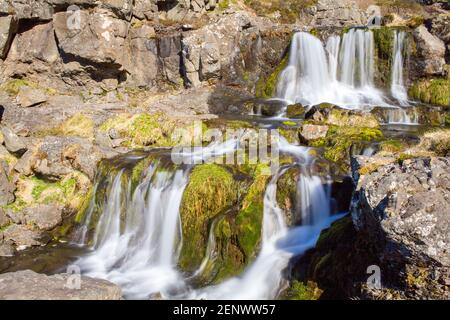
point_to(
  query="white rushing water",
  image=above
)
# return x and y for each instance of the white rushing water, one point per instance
(264, 277)
(138, 237)
(407, 116)
(398, 90)
(341, 74)
(139, 251)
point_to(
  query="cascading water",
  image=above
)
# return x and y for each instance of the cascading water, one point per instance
(263, 278)
(407, 116)
(398, 89)
(138, 237)
(341, 75)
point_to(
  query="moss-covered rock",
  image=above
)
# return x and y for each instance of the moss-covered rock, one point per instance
(301, 291)
(287, 194)
(78, 125)
(237, 233)
(295, 111)
(69, 191)
(384, 42)
(250, 216)
(211, 191)
(340, 117)
(434, 91)
(266, 88)
(339, 140)
(338, 262)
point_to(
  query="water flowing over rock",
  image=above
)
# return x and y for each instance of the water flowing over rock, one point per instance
(398, 89)
(316, 75)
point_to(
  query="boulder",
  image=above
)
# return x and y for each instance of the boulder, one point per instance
(404, 210)
(100, 38)
(295, 111)
(13, 143)
(313, 132)
(45, 217)
(59, 156)
(29, 9)
(144, 51)
(430, 58)
(8, 27)
(29, 285)
(30, 97)
(36, 45)
(440, 27)
(169, 51)
(145, 9)
(208, 50)
(268, 108)
(6, 250)
(24, 237)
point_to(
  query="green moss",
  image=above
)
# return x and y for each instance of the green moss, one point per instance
(266, 88)
(384, 41)
(434, 91)
(249, 218)
(299, 291)
(210, 191)
(339, 140)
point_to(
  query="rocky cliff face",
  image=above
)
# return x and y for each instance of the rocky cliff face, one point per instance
(399, 223)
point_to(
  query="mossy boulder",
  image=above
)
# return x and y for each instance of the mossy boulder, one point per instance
(339, 140)
(295, 111)
(435, 91)
(237, 233)
(211, 191)
(341, 117)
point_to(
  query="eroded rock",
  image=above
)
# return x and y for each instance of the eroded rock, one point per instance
(30, 97)
(431, 52)
(28, 285)
(13, 143)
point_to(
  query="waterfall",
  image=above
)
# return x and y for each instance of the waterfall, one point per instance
(408, 116)
(264, 277)
(341, 73)
(137, 237)
(398, 90)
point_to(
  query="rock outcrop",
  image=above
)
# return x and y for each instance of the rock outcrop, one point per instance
(430, 51)
(29, 285)
(399, 223)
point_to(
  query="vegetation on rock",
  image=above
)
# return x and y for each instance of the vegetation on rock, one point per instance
(434, 91)
(211, 191)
